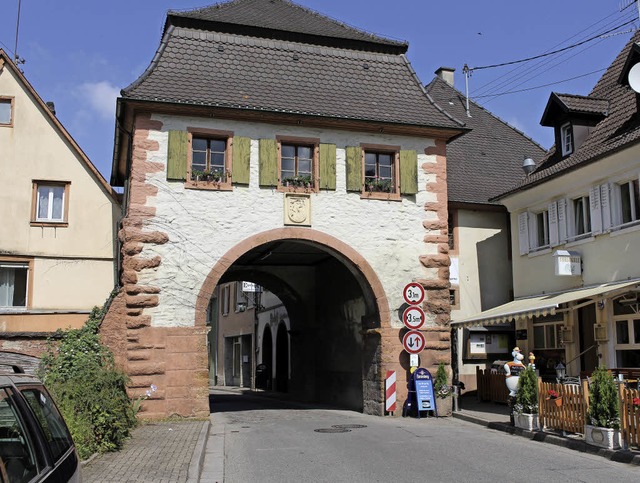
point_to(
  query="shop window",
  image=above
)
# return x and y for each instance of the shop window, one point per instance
(627, 339)
(13, 285)
(547, 332)
(50, 203)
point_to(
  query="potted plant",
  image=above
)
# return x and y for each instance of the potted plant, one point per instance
(378, 185)
(553, 395)
(602, 426)
(442, 390)
(298, 181)
(525, 408)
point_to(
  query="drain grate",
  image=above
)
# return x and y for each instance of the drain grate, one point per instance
(349, 426)
(332, 430)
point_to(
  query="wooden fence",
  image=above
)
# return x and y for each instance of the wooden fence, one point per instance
(569, 414)
(629, 416)
(491, 386)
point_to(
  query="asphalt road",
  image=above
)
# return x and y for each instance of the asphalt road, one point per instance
(271, 441)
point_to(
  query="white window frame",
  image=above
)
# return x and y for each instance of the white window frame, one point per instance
(631, 345)
(534, 241)
(566, 139)
(18, 265)
(617, 204)
(583, 231)
(556, 328)
(51, 188)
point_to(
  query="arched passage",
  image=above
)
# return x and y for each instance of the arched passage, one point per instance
(335, 306)
(267, 355)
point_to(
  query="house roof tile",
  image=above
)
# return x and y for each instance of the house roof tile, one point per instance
(618, 130)
(487, 160)
(205, 67)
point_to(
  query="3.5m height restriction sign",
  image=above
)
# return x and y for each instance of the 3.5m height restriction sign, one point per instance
(414, 342)
(413, 317)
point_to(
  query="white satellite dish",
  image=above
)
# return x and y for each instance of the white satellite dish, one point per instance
(634, 77)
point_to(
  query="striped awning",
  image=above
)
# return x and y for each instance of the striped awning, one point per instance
(545, 304)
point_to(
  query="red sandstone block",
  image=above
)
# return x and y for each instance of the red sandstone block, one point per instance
(146, 369)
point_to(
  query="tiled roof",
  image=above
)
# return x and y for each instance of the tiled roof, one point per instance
(584, 104)
(281, 15)
(619, 130)
(208, 68)
(487, 160)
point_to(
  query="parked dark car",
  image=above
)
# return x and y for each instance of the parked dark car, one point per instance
(35, 443)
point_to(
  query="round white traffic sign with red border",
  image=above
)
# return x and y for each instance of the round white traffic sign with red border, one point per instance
(414, 342)
(413, 293)
(413, 317)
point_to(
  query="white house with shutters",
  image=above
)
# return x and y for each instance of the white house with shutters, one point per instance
(576, 273)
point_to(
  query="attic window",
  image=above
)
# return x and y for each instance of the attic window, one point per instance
(6, 111)
(566, 139)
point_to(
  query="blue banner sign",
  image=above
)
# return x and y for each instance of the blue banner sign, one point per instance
(425, 397)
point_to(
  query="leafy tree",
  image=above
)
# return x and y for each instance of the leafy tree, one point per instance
(604, 402)
(88, 388)
(441, 384)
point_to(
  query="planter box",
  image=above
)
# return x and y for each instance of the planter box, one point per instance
(444, 406)
(602, 437)
(526, 421)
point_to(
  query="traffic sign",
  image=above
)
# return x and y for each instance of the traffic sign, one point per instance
(413, 317)
(413, 293)
(414, 342)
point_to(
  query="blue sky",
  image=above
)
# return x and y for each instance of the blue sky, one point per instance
(80, 53)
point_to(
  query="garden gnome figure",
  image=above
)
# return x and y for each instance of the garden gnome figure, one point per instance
(512, 371)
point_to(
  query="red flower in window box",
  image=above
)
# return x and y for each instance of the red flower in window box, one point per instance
(636, 402)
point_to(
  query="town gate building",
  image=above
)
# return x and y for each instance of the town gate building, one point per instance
(267, 143)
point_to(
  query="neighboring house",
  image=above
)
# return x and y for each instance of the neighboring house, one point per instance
(270, 144)
(59, 215)
(480, 165)
(577, 231)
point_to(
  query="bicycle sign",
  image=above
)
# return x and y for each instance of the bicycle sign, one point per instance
(413, 293)
(413, 317)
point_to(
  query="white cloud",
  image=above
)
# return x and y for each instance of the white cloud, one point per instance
(100, 97)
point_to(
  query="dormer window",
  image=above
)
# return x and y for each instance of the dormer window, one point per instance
(566, 139)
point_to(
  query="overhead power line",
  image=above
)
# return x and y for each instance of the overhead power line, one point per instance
(541, 86)
(553, 52)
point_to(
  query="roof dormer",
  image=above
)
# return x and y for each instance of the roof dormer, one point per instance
(573, 118)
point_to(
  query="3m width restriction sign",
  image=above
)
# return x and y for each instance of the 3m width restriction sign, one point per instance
(413, 293)
(414, 342)
(413, 317)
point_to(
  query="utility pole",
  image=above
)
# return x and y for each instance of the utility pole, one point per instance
(467, 74)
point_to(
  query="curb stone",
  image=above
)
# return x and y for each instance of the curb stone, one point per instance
(195, 466)
(620, 456)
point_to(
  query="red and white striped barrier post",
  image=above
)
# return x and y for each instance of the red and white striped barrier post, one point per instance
(390, 391)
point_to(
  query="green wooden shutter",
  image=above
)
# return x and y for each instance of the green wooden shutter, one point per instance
(327, 166)
(241, 160)
(408, 172)
(268, 162)
(178, 152)
(354, 168)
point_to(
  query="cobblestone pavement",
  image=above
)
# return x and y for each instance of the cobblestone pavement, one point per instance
(158, 452)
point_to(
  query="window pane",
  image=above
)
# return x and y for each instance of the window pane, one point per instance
(636, 331)
(287, 164)
(370, 172)
(288, 151)
(13, 286)
(579, 216)
(199, 144)
(625, 196)
(53, 425)
(385, 172)
(551, 336)
(370, 158)
(384, 160)
(628, 358)
(43, 202)
(218, 145)
(16, 449)
(217, 160)
(538, 337)
(58, 203)
(622, 332)
(304, 166)
(304, 152)
(5, 111)
(635, 188)
(199, 161)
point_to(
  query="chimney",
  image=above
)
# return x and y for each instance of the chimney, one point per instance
(446, 74)
(51, 106)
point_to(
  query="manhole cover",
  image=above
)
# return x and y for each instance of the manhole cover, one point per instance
(349, 426)
(332, 430)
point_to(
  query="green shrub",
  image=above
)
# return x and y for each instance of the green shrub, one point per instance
(604, 409)
(88, 388)
(527, 395)
(441, 384)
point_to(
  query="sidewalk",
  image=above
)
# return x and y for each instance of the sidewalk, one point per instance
(496, 416)
(157, 452)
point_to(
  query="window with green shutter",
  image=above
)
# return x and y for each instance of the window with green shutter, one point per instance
(353, 160)
(241, 159)
(408, 172)
(177, 156)
(327, 168)
(268, 162)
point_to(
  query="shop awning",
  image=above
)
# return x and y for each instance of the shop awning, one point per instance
(546, 304)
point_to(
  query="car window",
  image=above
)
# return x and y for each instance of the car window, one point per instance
(16, 448)
(53, 426)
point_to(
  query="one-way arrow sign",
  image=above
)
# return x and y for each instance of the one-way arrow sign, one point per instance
(414, 342)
